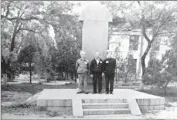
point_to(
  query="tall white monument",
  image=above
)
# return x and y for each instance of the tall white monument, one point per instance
(95, 19)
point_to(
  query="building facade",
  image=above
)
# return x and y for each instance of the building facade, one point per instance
(125, 43)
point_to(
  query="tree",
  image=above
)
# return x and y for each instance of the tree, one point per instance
(26, 57)
(157, 19)
(15, 19)
(169, 62)
(19, 18)
(161, 72)
(154, 18)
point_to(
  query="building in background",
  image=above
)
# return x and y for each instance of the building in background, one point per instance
(123, 44)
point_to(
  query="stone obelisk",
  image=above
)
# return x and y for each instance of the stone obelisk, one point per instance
(95, 19)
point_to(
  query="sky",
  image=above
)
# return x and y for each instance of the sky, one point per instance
(78, 9)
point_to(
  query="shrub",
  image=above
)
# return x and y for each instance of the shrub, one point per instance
(157, 74)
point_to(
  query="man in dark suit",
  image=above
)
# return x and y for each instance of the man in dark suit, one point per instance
(96, 72)
(109, 71)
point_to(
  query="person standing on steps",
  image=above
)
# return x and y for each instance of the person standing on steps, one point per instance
(96, 73)
(109, 71)
(82, 66)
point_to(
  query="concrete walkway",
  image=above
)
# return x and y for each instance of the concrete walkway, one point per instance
(34, 117)
(71, 94)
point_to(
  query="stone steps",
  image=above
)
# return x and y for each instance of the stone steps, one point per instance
(105, 111)
(104, 105)
(114, 117)
(104, 101)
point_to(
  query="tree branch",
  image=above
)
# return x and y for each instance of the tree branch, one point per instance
(139, 3)
(19, 18)
(161, 12)
(144, 34)
(7, 13)
(19, 27)
(27, 29)
(156, 33)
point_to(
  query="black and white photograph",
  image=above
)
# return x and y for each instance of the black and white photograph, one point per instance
(88, 60)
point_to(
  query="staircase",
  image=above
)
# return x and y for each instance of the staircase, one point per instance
(105, 107)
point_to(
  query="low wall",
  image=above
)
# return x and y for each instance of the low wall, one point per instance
(63, 106)
(150, 104)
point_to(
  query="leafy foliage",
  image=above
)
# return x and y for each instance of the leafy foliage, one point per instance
(126, 67)
(160, 17)
(161, 73)
(26, 25)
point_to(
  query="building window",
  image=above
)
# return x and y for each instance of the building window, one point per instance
(134, 40)
(132, 64)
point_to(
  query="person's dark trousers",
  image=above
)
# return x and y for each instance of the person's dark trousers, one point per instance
(97, 81)
(109, 78)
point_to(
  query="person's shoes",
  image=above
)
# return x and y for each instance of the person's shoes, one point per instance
(79, 92)
(107, 92)
(86, 92)
(94, 92)
(111, 92)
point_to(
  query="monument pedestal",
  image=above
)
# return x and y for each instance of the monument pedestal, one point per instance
(123, 101)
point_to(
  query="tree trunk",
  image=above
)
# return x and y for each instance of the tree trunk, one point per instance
(15, 32)
(4, 77)
(165, 87)
(67, 75)
(75, 76)
(144, 58)
(165, 90)
(12, 43)
(30, 72)
(72, 75)
(116, 76)
(5, 66)
(143, 64)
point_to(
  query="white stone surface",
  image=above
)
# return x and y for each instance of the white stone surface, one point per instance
(95, 19)
(69, 97)
(134, 107)
(95, 38)
(77, 107)
(33, 99)
(71, 94)
(104, 105)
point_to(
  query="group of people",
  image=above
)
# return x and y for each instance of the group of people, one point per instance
(97, 69)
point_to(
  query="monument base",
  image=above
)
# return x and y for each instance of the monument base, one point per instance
(122, 101)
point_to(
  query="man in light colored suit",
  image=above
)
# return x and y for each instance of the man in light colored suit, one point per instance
(82, 66)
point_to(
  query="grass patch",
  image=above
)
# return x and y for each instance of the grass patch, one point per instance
(34, 88)
(31, 110)
(20, 106)
(170, 96)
